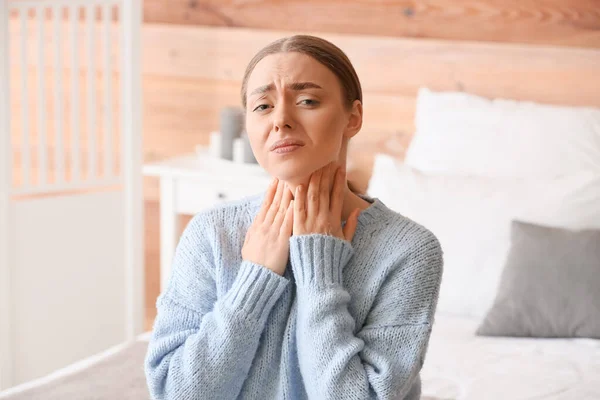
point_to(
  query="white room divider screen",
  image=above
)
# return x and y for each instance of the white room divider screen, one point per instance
(71, 228)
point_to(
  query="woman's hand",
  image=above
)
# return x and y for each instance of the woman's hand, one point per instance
(318, 209)
(267, 239)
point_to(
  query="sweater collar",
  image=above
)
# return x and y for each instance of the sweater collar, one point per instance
(372, 212)
(367, 216)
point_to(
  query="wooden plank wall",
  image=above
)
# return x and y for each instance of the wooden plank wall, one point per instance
(554, 22)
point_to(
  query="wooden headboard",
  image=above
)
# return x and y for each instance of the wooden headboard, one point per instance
(191, 72)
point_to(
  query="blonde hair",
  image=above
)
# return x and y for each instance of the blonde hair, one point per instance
(322, 51)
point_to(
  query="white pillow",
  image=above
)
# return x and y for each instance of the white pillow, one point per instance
(471, 217)
(464, 134)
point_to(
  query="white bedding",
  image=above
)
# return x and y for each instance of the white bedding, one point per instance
(460, 365)
(71, 368)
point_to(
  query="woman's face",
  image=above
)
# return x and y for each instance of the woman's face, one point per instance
(293, 96)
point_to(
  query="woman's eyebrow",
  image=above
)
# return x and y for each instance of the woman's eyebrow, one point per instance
(292, 86)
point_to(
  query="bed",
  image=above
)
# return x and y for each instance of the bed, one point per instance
(116, 373)
(512, 191)
(461, 365)
(458, 366)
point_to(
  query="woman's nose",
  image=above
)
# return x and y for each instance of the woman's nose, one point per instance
(282, 118)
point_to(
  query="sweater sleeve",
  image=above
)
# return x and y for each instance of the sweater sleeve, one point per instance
(382, 359)
(202, 347)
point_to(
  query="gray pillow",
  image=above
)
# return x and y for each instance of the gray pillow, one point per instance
(550, 285)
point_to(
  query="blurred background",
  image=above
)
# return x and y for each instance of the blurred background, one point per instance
(120, 120)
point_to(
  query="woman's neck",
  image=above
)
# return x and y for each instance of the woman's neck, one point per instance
(351, 201)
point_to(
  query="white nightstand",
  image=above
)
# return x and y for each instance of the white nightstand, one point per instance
(191, 183)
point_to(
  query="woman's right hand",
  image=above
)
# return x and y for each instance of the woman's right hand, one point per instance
(267, 240)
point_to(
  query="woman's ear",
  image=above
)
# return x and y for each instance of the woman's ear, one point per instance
(355, 120)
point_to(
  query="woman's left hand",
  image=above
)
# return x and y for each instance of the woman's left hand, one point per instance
(319, 210)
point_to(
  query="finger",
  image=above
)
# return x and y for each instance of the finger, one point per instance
(269, 195)
(350, 227)
(312, 195)
(333, 173)
(285, 202)
(274, 206)
(288, 223)
(300, 200)
(248, 234)
(324, 188)
(337, 195)
(299, 207)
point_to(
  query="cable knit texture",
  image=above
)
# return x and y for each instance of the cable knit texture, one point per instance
(347, 320)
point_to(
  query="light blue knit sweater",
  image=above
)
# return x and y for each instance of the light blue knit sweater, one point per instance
(346, 320)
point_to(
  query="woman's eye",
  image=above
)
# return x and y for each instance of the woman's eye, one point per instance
(310, 102)
(261, 109)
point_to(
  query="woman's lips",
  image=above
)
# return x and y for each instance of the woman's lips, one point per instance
(286, 142)
(286, 149)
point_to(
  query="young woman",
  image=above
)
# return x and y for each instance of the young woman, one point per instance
(309, 290)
